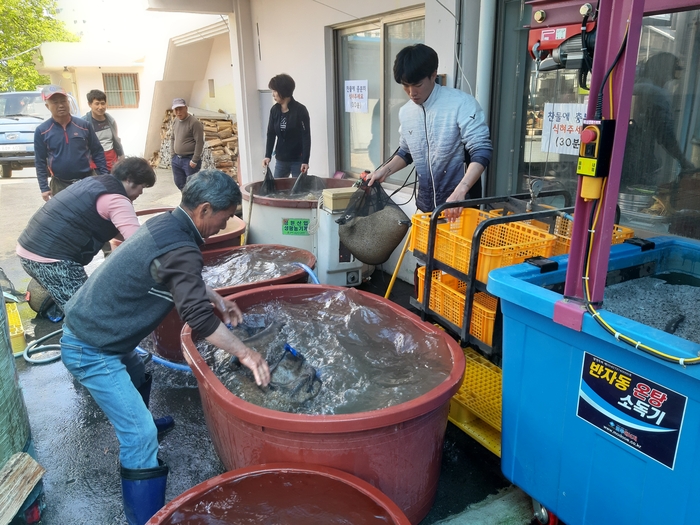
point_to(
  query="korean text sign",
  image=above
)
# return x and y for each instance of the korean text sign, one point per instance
(642, 414)
(356, 96)
(561, 127)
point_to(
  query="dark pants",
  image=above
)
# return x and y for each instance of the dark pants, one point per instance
(182, 169)
(284, 169)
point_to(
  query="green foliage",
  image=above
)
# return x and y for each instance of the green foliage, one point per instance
(25, 24)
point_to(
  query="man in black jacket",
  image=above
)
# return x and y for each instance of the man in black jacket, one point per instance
(289, 125)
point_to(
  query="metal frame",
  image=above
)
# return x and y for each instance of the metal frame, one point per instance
(472, 285)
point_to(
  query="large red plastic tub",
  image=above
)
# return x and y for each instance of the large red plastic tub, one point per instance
(396, 449)
(228, 237)
(166, 337)
(282, 493)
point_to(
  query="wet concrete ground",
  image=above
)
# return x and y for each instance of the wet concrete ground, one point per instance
(78, 448)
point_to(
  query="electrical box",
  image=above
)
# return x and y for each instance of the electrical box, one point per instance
(596, 148)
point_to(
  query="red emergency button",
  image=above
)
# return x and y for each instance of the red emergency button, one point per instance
(589, 135)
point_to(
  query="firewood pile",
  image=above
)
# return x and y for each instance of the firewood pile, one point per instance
(220, 144)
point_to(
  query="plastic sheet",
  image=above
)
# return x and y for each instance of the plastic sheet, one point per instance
(253, 264)
(366, 359)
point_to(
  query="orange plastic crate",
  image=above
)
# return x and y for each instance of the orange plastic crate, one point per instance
(447, 297)
(501, 244)
(563, 228)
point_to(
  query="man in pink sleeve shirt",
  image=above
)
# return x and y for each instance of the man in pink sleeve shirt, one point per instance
(67, 232)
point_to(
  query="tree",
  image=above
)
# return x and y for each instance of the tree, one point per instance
(24, 26)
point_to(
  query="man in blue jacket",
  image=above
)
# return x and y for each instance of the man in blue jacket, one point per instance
(441, 130)
(63, 145)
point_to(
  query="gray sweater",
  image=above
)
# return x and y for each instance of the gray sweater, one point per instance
(187, 138)
(128, 296)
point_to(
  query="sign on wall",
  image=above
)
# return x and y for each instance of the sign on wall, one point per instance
(356, 96)
(561, 127)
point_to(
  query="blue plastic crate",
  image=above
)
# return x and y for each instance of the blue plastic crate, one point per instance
(566, 439)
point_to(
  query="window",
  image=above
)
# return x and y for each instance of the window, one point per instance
(366, 53)
(660, 181)
(122, 89)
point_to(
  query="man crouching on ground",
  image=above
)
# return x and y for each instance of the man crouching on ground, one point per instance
(125, 299)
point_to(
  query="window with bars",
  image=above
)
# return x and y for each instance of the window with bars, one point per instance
(122, 89)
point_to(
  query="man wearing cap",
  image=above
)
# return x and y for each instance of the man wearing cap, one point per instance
(186, 144)
(63, 145)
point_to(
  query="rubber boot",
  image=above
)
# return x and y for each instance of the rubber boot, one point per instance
(143, 492)
(164, 424)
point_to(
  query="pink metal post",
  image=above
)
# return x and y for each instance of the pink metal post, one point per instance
(615, 17)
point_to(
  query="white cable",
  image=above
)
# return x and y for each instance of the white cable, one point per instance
(313, 225)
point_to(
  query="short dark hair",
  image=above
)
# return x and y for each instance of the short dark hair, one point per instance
(414, 63)
(96, 94)
(212, 186)
(283, 84)
(136, 170)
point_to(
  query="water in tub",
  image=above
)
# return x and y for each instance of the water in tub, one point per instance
(250, 265)
(355, 356)
(667, 301)
(288, 195)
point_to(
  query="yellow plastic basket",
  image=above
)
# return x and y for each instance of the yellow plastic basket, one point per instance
(447, 298)
(16, 330)
(501, 244)
(481, 390)
(563, 228)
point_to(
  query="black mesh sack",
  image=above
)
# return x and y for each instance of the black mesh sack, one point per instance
(268, 184)
(373, 225)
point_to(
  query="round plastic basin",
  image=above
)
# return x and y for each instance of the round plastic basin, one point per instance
(396, 449)
(270, 218)
(282, 493)
(166, 337)
(228, 237)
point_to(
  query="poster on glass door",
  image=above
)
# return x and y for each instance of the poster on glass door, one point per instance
(356, 96)
(561, 127)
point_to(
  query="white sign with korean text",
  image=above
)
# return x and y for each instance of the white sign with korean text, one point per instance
(356, 96)
(561, 127)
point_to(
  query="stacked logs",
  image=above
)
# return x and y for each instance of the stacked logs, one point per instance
(220, 144)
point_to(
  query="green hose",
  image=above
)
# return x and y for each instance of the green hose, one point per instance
(33, 348)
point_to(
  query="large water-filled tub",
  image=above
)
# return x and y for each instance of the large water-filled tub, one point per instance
(228, 237)
(270, 217)
(166, 337)
(282, 493)
(397, 449)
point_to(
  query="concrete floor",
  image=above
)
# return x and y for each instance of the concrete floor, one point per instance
(77, 445)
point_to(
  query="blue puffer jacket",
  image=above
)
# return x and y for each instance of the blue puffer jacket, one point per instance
(440, 135)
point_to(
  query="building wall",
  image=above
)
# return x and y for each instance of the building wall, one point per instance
(219, 70)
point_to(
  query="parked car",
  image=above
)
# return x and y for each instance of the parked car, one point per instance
(20, 113)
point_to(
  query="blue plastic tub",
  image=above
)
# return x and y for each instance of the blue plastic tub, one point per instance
(571, 437)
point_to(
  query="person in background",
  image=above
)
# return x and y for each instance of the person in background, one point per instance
(66, 233)
(186, 144)
(442, 130)
(651, 123)
(63, 146)
(105, 128)
(288, 130)
(125, 299)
